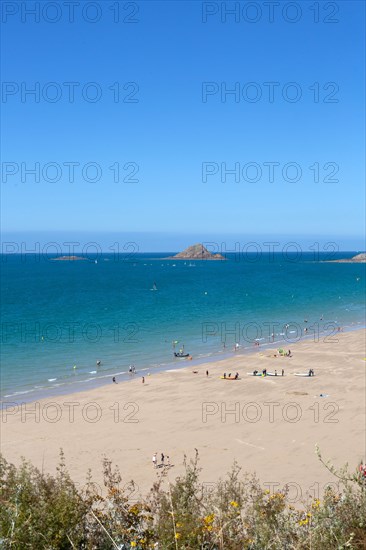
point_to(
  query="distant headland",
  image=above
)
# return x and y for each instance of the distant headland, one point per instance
(69, 259)
(358, 259)
(196, 252)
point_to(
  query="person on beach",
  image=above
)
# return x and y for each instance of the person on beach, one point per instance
(224, 374)
(283, 373)
(229, 375)
(275, 373)
(167, 461)
(236, 376)
(130, 369)
(255, 372)
(206, 372)
(114, 380)
(98, 363)
(162, 459)
(143, 380)
(154, 460)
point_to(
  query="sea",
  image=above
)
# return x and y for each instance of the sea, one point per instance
(59, 318)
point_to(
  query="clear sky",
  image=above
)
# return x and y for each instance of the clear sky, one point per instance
(175, 123)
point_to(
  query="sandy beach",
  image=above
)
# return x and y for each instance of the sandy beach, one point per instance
(270, 426)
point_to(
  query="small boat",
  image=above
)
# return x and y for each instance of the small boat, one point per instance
(181, 354)
(307, 375)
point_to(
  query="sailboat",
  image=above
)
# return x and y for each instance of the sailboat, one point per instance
(154, 287)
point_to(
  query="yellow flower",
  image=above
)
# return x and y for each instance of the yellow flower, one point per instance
(303, 521)
(234, 503)
(316, 504)
(177, 535)
(308, 515)
(178, 524)
(133, 544)
(267, 491)
(209, 518)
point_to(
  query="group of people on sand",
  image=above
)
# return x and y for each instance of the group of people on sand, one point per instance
(164, 460)
(131, 370)
(311, 372)
(229, 375)
(264, 372)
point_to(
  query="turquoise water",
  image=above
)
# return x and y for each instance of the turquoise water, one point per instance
(57, 315)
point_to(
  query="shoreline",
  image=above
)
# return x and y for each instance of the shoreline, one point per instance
(101, 381)
(176, 411)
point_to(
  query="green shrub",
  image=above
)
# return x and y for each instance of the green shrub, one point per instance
(42, 512)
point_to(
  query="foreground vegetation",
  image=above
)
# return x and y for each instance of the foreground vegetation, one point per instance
(42, 512)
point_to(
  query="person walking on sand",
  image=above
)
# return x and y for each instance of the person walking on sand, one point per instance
(143, 379)
(162, 459)
(206, 372)
(283, 373)
(154, 460)
(114, 380)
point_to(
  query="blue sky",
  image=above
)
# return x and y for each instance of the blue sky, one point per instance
(170, 132)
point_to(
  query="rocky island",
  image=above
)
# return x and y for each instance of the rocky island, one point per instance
(358, 259)
(69, 258)
(197, 252)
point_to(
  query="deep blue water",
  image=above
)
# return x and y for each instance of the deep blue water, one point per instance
(57, 315)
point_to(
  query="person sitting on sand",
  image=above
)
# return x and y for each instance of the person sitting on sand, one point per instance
(255, 372)
(236, 376)
(114, 380)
